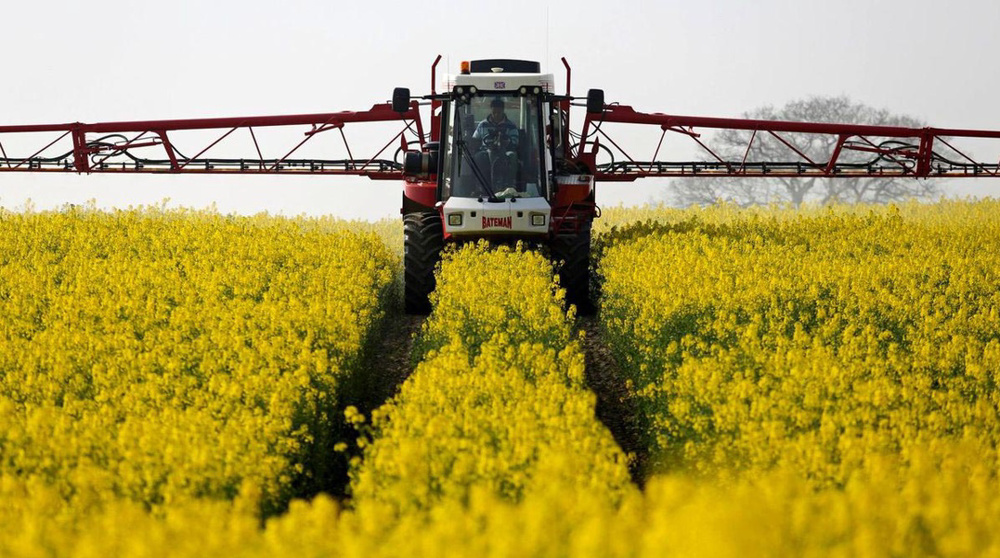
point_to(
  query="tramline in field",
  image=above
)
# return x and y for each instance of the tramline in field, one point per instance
(499, 159)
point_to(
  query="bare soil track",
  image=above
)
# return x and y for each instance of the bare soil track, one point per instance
(385, 364)
(391, 361)
(615, 408)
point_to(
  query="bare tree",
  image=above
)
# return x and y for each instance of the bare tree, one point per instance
(732, 144)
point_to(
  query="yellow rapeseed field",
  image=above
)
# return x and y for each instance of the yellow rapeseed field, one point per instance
(816, 342)
(160, 355)
(809, 383)
(855, 351)
(498, 402)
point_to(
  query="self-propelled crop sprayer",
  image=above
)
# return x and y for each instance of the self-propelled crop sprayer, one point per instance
(499, 159)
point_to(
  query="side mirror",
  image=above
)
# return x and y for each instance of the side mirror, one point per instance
(401, 99)
(595, 100)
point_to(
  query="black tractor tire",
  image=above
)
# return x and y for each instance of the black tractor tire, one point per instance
(423, 240)
(571, 255)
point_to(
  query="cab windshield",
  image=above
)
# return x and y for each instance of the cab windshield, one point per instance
(492, 148)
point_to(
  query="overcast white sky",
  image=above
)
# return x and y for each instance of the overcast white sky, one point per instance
(83, 61)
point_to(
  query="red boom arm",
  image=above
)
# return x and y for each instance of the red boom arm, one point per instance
(890, 150)
(151, 147)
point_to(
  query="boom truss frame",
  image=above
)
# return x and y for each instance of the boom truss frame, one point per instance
(895, 151)
(113, 147)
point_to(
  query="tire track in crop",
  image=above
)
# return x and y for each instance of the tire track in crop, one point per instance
(615, 408)
(391, 361)
(386, 364)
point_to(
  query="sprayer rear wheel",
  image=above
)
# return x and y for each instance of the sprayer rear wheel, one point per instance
(571, 252)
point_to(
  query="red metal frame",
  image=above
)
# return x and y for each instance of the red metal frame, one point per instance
(916, 159)
(435, 104)
(88, 155)
(565, 105)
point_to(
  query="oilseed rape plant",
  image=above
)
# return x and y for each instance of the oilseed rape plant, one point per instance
(816, 342)
(817, 382)
(498, 404)
(164, 355)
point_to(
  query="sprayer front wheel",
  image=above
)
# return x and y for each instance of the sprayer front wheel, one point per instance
(423, 239)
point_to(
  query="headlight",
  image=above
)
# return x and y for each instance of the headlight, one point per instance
(537, 220)
(455, 219)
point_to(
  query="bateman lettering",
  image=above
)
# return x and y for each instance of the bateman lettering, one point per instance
(497, 222)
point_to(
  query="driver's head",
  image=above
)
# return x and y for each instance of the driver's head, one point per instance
(496, 108)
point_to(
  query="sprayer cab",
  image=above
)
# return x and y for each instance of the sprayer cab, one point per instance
(497, 162)
(494, 158)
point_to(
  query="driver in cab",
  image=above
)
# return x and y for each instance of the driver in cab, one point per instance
(498, 153)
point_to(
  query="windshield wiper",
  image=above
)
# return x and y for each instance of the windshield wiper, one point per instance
(476, 171)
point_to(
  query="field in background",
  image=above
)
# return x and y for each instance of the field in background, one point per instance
(820, 382)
